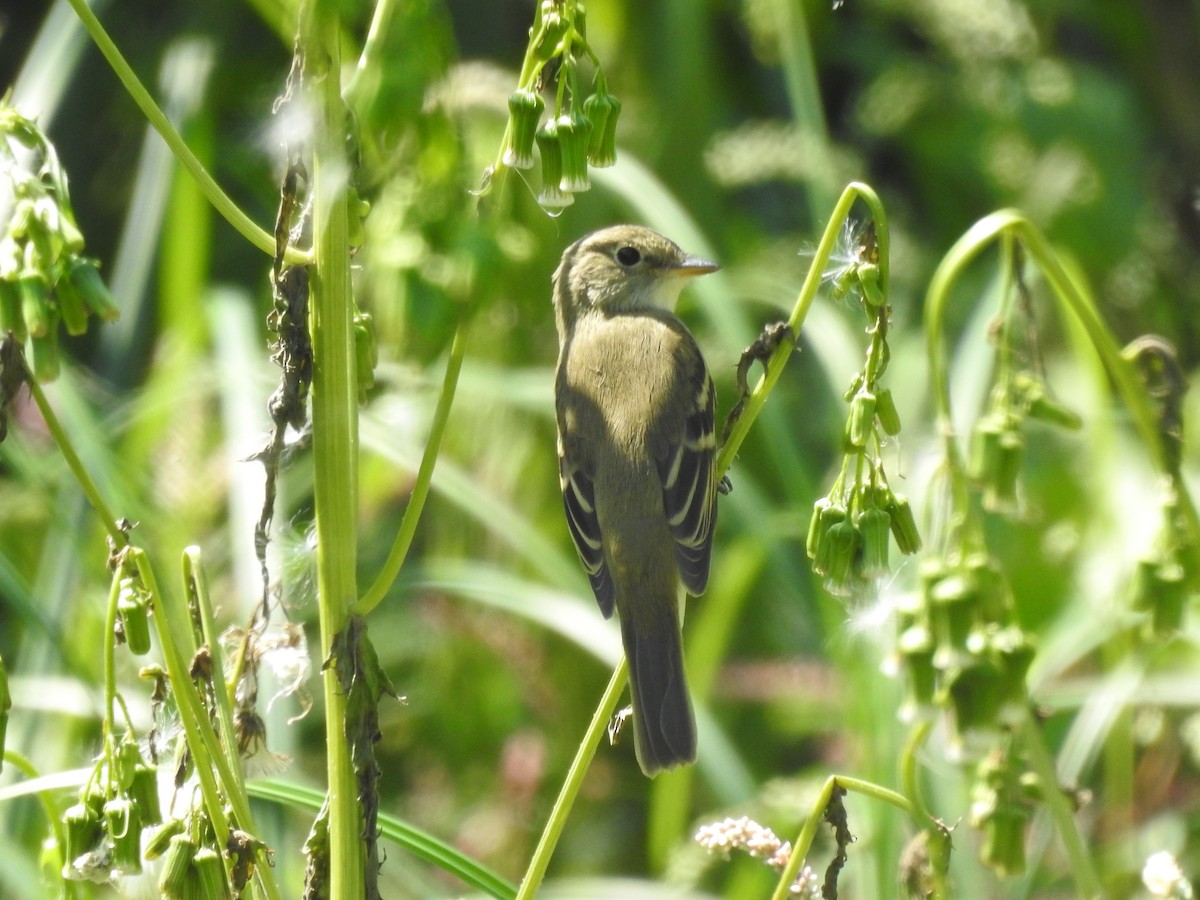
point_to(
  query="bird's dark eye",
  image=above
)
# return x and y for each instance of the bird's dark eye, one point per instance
(628, 256)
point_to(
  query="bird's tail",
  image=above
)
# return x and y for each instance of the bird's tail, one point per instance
(664, 727)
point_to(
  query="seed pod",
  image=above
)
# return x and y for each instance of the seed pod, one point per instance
(915, 648)
(904, 525)
(844, 541)
(143, 791)
(1003, 846)
(43, 351)
(813, 539)
(552, 198)
(72, 307)
(125, 834)
(134, 617)
(953, 613)
(10, 311)
(85, 277)
(574, 134)
(985, 449)
(1000, 490)
(177, 873)
(875, 527)
(84, 828)
(868, 280)
(885, 412)
(160, 841)
(35, 302)
(831, 515)
(210, 874)
(524, 112)
(862, 418)
(603, 110)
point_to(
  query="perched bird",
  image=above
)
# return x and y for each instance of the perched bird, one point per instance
(636, 450)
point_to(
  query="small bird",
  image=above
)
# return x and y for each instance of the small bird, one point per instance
(636, 456)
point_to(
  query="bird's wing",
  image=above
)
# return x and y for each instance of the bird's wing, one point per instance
(688, 473)
(579, 500)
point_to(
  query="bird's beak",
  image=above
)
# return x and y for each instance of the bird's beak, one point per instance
(695, 265)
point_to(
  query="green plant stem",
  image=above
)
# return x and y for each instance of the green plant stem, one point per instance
(335, 427)
(201, 740)
(570, 789)
(420, 491)
(938, 836)
(196, 584)
(1087, 882)
(808, 830)
(67, 449)
(808, 292)
(371, 59)
(110, 652)
(158, 119)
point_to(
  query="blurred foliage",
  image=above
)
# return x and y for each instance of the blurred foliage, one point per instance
(741, 124)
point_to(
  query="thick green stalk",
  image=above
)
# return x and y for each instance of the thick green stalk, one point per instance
(335, 427)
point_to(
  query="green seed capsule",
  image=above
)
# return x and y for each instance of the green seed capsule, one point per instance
(85, 277)
(210, 874)
(1000, 490)
(552, 198)
(143, 791)
(10, 311)
(1004, 841)
(875, 527)
(125, 834)
(177, 874)
(84, 828)
(160, 841)
(862, 418)
(35, 302)
(814, 527)
(831, 515)
(72, 307)
(904, 525)
(886, 413)
(574, 134)
(43, 352)
(135, 623)
(602, 147)
(985, 449)
(524, 112)
(845, 542)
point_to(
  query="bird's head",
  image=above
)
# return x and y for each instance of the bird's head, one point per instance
(623, 268)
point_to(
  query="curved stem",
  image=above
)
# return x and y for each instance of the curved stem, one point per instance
(158, 119)
(67, 449)
(1010, 222)
(420, 491)
(570, 789)
(808, 292)
(808, 831)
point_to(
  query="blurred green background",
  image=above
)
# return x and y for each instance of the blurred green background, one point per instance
(742, 122)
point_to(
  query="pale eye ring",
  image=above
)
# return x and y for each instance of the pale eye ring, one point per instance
(629, 256)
